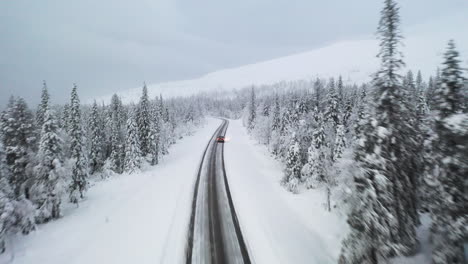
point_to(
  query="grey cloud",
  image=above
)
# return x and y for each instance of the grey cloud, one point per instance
(110, 45)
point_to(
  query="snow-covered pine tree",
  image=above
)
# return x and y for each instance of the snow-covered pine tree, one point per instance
(380, 223)
(7, 200)
(422, 108)
(303, 107)
(313, 172)
(332, 112)
(449, 213)
(266, 108)
(276, 123)
(431, 88)
(410, 87)
(252, 110)
(293, 112)
(79, 182)
(48, 187)
(318, 90)
(361, 120)
(18, 138)
(412, 146)
(144, 122)
(340, 142)
(172, 126)
(348, 110)
(370, 218)
(65, 118)
(423, 127)
(427, 195)
(96, 155)
(117, 151)
(189, 115)
(393, 129)
(164, 138)
(340, 95)
(419, 83)
(155, 135)
(133, 157)
(166, 115)
(293, 166)
(42, 106)
(275, 126)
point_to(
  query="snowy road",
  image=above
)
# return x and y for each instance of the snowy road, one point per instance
(214, 232)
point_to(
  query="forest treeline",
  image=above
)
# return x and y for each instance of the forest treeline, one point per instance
(50, 154)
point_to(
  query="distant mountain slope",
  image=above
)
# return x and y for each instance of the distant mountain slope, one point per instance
(355, 60)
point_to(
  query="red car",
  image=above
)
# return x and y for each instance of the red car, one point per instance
(220, 139)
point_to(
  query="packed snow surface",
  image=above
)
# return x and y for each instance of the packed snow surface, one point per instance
(139, 218)
(354, 59)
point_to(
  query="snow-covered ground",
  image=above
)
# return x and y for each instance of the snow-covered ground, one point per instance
(140, 218)
(354, 59)
(278, 226)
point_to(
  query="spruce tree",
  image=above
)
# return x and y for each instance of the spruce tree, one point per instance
(332, 111)
(164, 135)
(7, 200)
(155, 135)
(380, 220)
(303, 108)
(340, 94)
(392, 119)
(348, 110)
(96, 156)
(431, 88)
(18, 135)
(340, 143)
(451, 127)
(318, 90)
(65, 117)
(293, 166)
(293, 112)
(42, 106)
(370, 217)
(266, 108)
(133, 158)
(276, 123)
(361, 120)
(313, 171)
(79, 182)
(116, 136)
(410, 86)
(419, 83)
(252, 110)
(49, 183)
(18, 138)
(144, 122)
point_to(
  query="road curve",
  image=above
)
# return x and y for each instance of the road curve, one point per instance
(214, 232)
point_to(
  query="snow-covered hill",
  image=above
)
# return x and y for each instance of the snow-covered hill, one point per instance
(355, 60)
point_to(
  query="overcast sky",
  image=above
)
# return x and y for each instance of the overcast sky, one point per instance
(111, 45)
